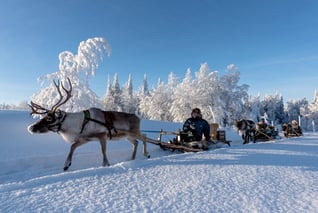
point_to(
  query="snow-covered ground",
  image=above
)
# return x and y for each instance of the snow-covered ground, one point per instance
(277, 176)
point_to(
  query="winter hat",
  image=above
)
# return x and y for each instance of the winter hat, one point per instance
(197, 110)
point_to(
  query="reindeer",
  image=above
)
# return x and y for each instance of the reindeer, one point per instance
(246, 128)
(92, 124)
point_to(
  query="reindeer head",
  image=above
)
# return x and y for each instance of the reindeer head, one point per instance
(238, 123)
(54, 117)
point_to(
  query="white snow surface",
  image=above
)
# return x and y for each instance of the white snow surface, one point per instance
(276, 176)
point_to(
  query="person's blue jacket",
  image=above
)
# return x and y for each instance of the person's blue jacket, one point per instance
(197, 126)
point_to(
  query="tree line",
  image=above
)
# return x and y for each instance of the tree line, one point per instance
(220, 97)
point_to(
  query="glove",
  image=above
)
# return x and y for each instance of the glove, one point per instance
(192, 127)
(210, 141)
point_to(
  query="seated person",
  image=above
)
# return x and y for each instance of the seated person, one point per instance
(294, 124)
(295, 127)
(196, 126)
(271, 131)
(261, 125)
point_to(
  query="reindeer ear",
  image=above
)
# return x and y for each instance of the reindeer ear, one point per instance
(58, 113)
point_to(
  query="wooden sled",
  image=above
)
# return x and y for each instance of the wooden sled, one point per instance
(179, 144)
(265, 135)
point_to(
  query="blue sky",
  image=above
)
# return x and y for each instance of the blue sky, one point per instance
(273, 43)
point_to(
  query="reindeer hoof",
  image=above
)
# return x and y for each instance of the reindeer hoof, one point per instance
(105, 164)
(66, 167)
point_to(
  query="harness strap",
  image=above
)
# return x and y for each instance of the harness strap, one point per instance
(60, 123)
(108, 122)
(60, 117)
(248, 124)
(109, 118)
(86, 119)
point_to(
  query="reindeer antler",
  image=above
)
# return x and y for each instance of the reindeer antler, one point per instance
(40, 110)
(68, 94)
(36, 109)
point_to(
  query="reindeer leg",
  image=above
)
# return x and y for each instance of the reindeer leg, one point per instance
(68, 161)
(103, 148)
(145, 152)
(134, 142)
(135, 146)
(244, 137)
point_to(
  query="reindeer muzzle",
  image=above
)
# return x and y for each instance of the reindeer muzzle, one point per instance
(36, 128)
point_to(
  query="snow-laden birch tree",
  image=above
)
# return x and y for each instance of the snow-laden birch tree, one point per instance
(78, 68)
(232, 95)
(207, 96)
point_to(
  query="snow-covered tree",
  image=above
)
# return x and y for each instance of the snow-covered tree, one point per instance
(157, 106)
(313, 107)
(170, 89)
(108, 100)
(117, 93)
(182, 105)
(78, 68)
(144, 88)
(252, 108)
(232, 95)
(113, 99)
(273, 106)
(143, 98)
(129, 101)
(206, 93)
(220, 98)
